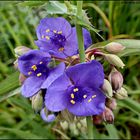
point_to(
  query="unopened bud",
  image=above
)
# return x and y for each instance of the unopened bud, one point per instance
(16, 64)
(22, 78)
(108, 116)
(107, 88)
(66, 115)
(111, 103)
(21, 50)
(114, 47)
(121, 94)
(114, 60)
(97, 119)
(116, 79)
(37, 102)
(64, 125)
(47, 117)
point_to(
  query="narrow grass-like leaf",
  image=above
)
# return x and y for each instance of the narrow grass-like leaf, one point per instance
(131, 104)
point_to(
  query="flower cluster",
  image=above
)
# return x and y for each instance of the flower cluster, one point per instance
(56, 82)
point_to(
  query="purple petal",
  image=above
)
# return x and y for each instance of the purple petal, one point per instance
(59, 24)
(45, 46)
(56, 98)
(54, 74)
(31, 86)
(48, 118)
(31, 58)
(87, 38)
(88, 74)
(86, 108)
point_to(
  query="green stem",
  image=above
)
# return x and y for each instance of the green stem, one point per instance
(79, 33)
(82, 59)
(90, 127)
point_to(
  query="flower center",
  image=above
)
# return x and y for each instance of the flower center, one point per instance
(78, 94)
(58, 40)
(39, 70)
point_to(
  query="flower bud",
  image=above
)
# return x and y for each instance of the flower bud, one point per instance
(16, 64)
(111, 103)
(64, 125)
(47, 117)
(114, 47)
(20, 50)
(66, 115)
(114, 60)
(37, 102)
(73, 129)
(121, 94)
(22, 78)
(116, 79)
(97, 119)
(107, 88)
(108, 116)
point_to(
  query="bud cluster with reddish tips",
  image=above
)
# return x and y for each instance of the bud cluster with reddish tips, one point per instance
(113, 82)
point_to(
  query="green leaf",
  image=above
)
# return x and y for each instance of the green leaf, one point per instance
(112, 131)
(31, 3)
(10, 83)
(55, 7)
(20, 133)
(130, 104)
(10, 94)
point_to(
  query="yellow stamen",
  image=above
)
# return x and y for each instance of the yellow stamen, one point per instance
(42, 36)
(72, 96)
(75, 89)
(60, 32)
(40, 62)
(89, 100)
(47, 30)
(61, 49)
(93, 96)
(84, 96)
(72, 101)
(54, 31)
(47, 37)
(34, 67)
(39, 74)
(29, 73)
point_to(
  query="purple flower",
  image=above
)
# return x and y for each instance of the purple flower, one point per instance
(56, 36)
(78, 90)
(34, 65)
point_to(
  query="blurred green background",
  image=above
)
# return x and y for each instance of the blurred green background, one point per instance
(18, 21)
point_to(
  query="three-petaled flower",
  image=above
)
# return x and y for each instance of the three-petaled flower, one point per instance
(34, 65)
(56, 36)
(78, 90)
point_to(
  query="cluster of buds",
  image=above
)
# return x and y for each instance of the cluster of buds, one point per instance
(113, 84)
(112, 87)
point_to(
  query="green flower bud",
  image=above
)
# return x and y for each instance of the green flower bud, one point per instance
(114, 60)
(20, 50)
(114, 47)
(107, 88)
(73, 129)
(64, 125)
(116, 79)
(121, 94)
(65, 115)
(37, 102)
